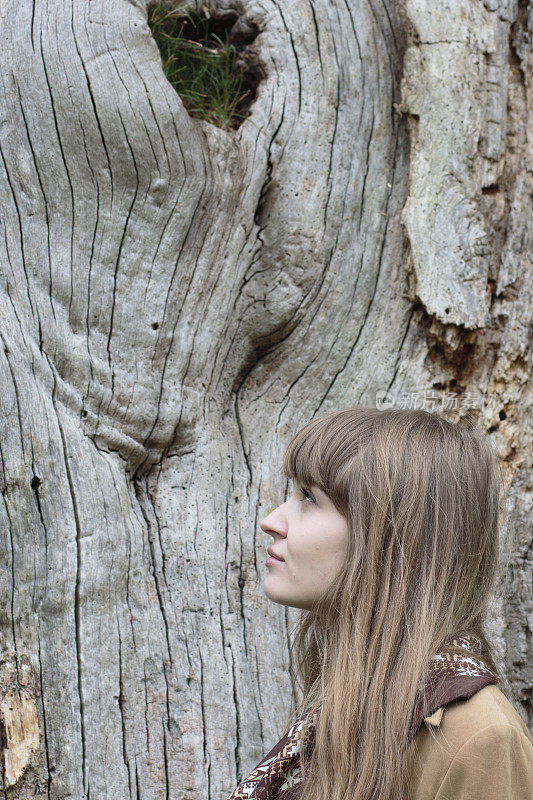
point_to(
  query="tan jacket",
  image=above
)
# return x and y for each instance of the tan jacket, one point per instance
(472, 749)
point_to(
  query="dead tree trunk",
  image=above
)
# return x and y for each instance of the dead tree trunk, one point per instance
(177, 299)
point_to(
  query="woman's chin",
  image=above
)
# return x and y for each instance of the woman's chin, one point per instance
(276, 597)
(283, 599)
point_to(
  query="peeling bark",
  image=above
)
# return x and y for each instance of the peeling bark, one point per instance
(18, 715)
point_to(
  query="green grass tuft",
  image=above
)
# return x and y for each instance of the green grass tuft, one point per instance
(200, 66)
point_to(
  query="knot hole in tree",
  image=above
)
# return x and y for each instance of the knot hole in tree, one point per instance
(209, 59)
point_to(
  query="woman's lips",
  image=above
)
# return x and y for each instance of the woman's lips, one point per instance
(271, 560)
(273, 553)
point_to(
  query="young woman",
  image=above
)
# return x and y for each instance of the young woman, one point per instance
(389, 545)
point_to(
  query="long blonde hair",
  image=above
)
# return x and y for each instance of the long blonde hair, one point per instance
(423, 498)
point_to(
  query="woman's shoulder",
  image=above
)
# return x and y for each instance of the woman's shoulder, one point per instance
(474, 747)
(463, 718)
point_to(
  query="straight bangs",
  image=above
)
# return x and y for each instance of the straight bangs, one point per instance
(324, 452)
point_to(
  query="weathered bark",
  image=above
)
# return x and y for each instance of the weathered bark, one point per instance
(176, 300)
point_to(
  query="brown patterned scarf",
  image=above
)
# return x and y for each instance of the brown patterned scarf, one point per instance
(450, 676)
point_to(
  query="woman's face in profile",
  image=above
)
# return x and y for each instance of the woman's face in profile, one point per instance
(310, 534)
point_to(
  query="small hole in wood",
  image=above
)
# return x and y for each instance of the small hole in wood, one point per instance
(207, 57)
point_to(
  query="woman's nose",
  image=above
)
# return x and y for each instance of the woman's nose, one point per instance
(272, 523)
(264, 524)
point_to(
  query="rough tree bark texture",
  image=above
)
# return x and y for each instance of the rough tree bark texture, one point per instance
(176, 300)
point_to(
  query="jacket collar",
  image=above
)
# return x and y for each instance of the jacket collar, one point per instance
(450, 677)
(435, 718)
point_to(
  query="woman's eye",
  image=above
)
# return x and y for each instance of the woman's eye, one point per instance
(307, 495)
